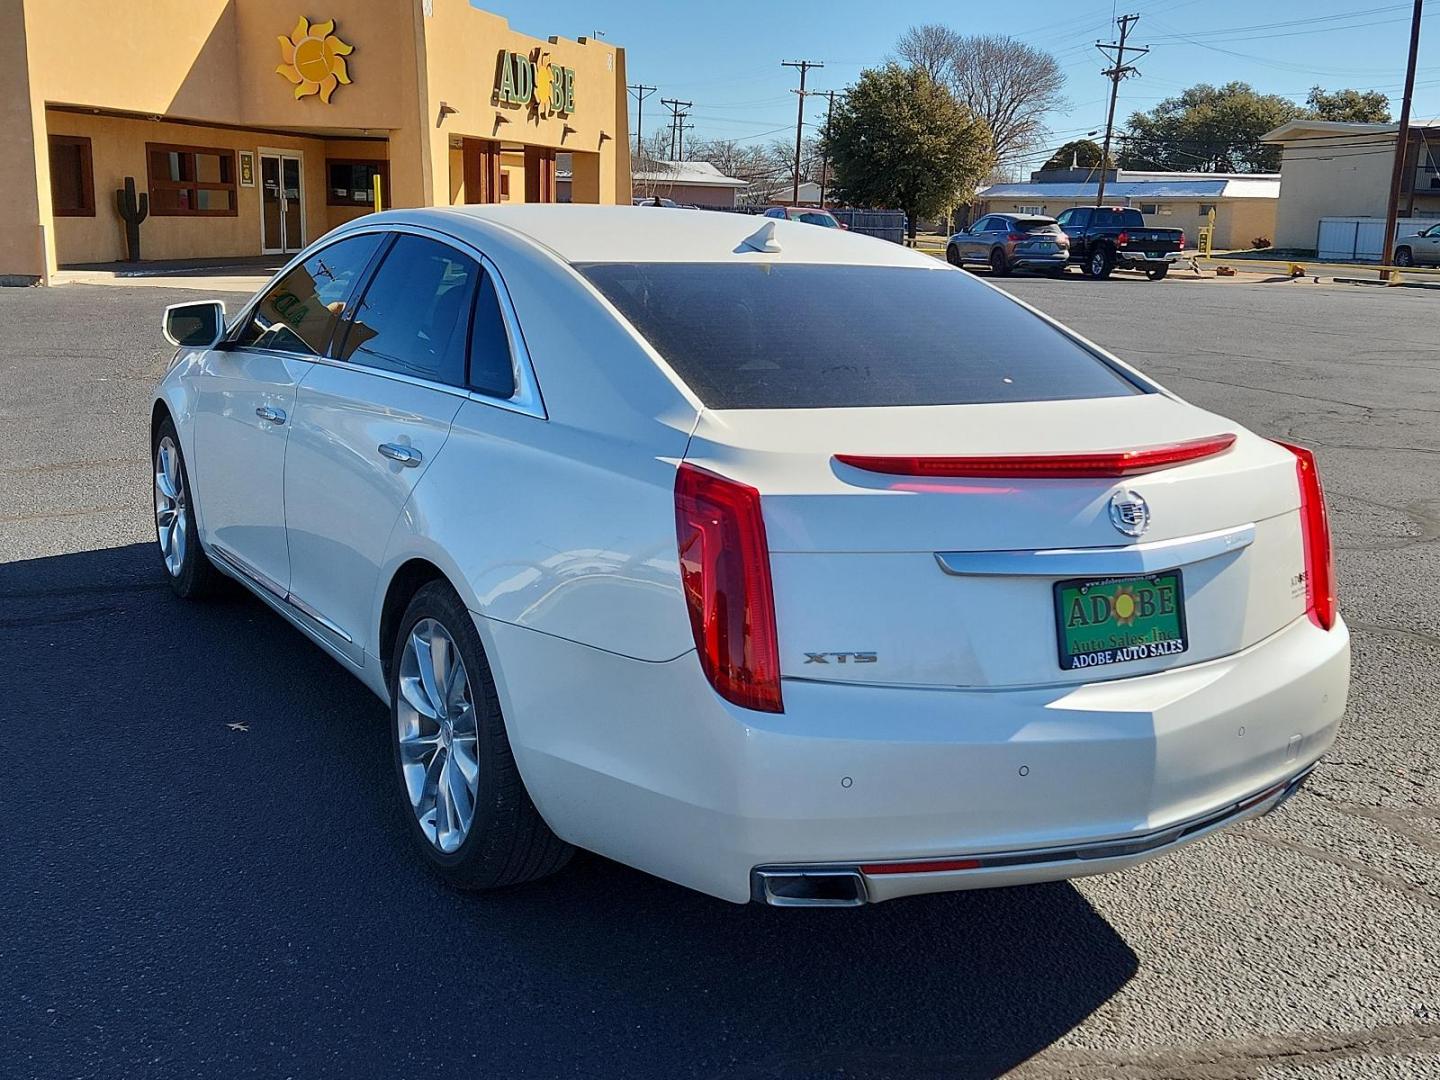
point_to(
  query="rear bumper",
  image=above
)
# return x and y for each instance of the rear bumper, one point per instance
(1140, 257)
(643, 763)
(1043, 259)
(784, 886)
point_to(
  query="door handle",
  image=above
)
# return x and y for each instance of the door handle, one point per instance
(271, 415)
(405, 455)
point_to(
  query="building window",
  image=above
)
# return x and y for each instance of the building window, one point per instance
(191, 180)
(1032, 209)
(504, 183)
(72, 177)
(1149, 208)
(1207, 208)
(351, 182)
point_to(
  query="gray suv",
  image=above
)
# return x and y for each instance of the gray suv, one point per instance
(1006, 241)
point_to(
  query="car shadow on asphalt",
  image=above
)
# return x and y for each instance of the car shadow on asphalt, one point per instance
(209, 875)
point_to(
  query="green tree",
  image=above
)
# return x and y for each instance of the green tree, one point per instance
(1077, 154)
(1208, 129)
(1364, 106)
(900, 140)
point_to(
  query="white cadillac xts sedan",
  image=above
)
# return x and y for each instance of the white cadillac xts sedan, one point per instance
(783, 563)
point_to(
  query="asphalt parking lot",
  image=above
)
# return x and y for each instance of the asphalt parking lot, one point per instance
(203, 874)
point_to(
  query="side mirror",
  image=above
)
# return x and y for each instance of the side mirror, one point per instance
(195, 326)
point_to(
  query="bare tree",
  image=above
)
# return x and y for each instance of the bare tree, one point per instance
(1007, 83)
(931, 48)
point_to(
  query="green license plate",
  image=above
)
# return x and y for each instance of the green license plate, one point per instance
(1113, 620)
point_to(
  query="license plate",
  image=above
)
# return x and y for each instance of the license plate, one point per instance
(1044, 246)
(1118, 619)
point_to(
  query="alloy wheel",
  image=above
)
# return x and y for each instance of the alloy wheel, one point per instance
(1097, 263)
(172, 523)
(438, 736)
(1403, 257)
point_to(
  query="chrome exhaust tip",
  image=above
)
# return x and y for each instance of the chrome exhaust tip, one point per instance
(837, 887)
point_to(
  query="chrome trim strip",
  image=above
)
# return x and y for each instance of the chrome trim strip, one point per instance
(240, 566)
(1070, 562)
(301, 606)
(269, 585)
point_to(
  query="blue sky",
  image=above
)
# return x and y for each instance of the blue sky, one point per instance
(727, 60)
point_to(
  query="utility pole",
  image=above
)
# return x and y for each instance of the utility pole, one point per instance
(676, 108)
(825, 154)
(1118, 70)
(1402, 145)
(684, 127)
(804, 66)
(640, 92)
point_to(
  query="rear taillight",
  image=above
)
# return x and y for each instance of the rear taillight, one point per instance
(1122, 239)
(1320, 603)
(1016, 237)
(725, 572)
(1182, 240)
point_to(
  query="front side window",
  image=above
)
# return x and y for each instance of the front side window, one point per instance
(816, 218)
(414, 315)
(821, 336)
(72, 178)
(191, 180)
(301, 311)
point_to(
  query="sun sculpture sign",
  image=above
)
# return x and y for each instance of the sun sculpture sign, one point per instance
(312, 59)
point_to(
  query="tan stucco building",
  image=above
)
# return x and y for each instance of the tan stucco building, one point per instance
(254, 126)
(1244, 203)
(1334, 169)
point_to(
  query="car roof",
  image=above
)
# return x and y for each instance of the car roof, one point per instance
(589, 233)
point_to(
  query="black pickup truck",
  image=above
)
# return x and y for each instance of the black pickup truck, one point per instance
(1105, 237)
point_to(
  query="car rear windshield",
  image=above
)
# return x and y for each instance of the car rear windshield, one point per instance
(1118, 218)
(755, 336)
(1036, 225)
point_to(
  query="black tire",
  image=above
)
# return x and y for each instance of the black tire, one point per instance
(1404, 257)
(1155, 273)
(952, 255)
(1101, 263)
(194, 577)
(508, 842)
(999, 264)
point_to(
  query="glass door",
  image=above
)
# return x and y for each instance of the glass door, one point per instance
(282, 204)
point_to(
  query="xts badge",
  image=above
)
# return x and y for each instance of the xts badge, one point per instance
(841, 657)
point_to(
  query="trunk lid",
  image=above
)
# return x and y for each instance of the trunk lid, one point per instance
(854, 553)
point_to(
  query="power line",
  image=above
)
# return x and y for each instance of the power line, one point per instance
(804, 66)
(1117, 71)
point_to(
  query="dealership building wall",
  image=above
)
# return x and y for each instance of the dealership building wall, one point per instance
(248, 145)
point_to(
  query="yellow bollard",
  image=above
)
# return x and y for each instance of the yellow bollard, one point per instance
(375, 186)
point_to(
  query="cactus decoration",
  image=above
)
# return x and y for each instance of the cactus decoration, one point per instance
(133, 209)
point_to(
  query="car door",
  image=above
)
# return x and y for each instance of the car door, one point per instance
(369, 422)
(1073, 223)
(244, 397)
(973, 242)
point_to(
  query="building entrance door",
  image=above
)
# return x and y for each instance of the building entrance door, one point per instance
(282, 204)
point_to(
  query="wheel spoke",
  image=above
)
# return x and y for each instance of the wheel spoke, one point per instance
(462, 800)
(425, 671)
(415, 749)
(412, 691)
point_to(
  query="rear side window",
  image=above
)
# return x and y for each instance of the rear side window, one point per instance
(413, 317)
(299, 313)
(752, 336)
